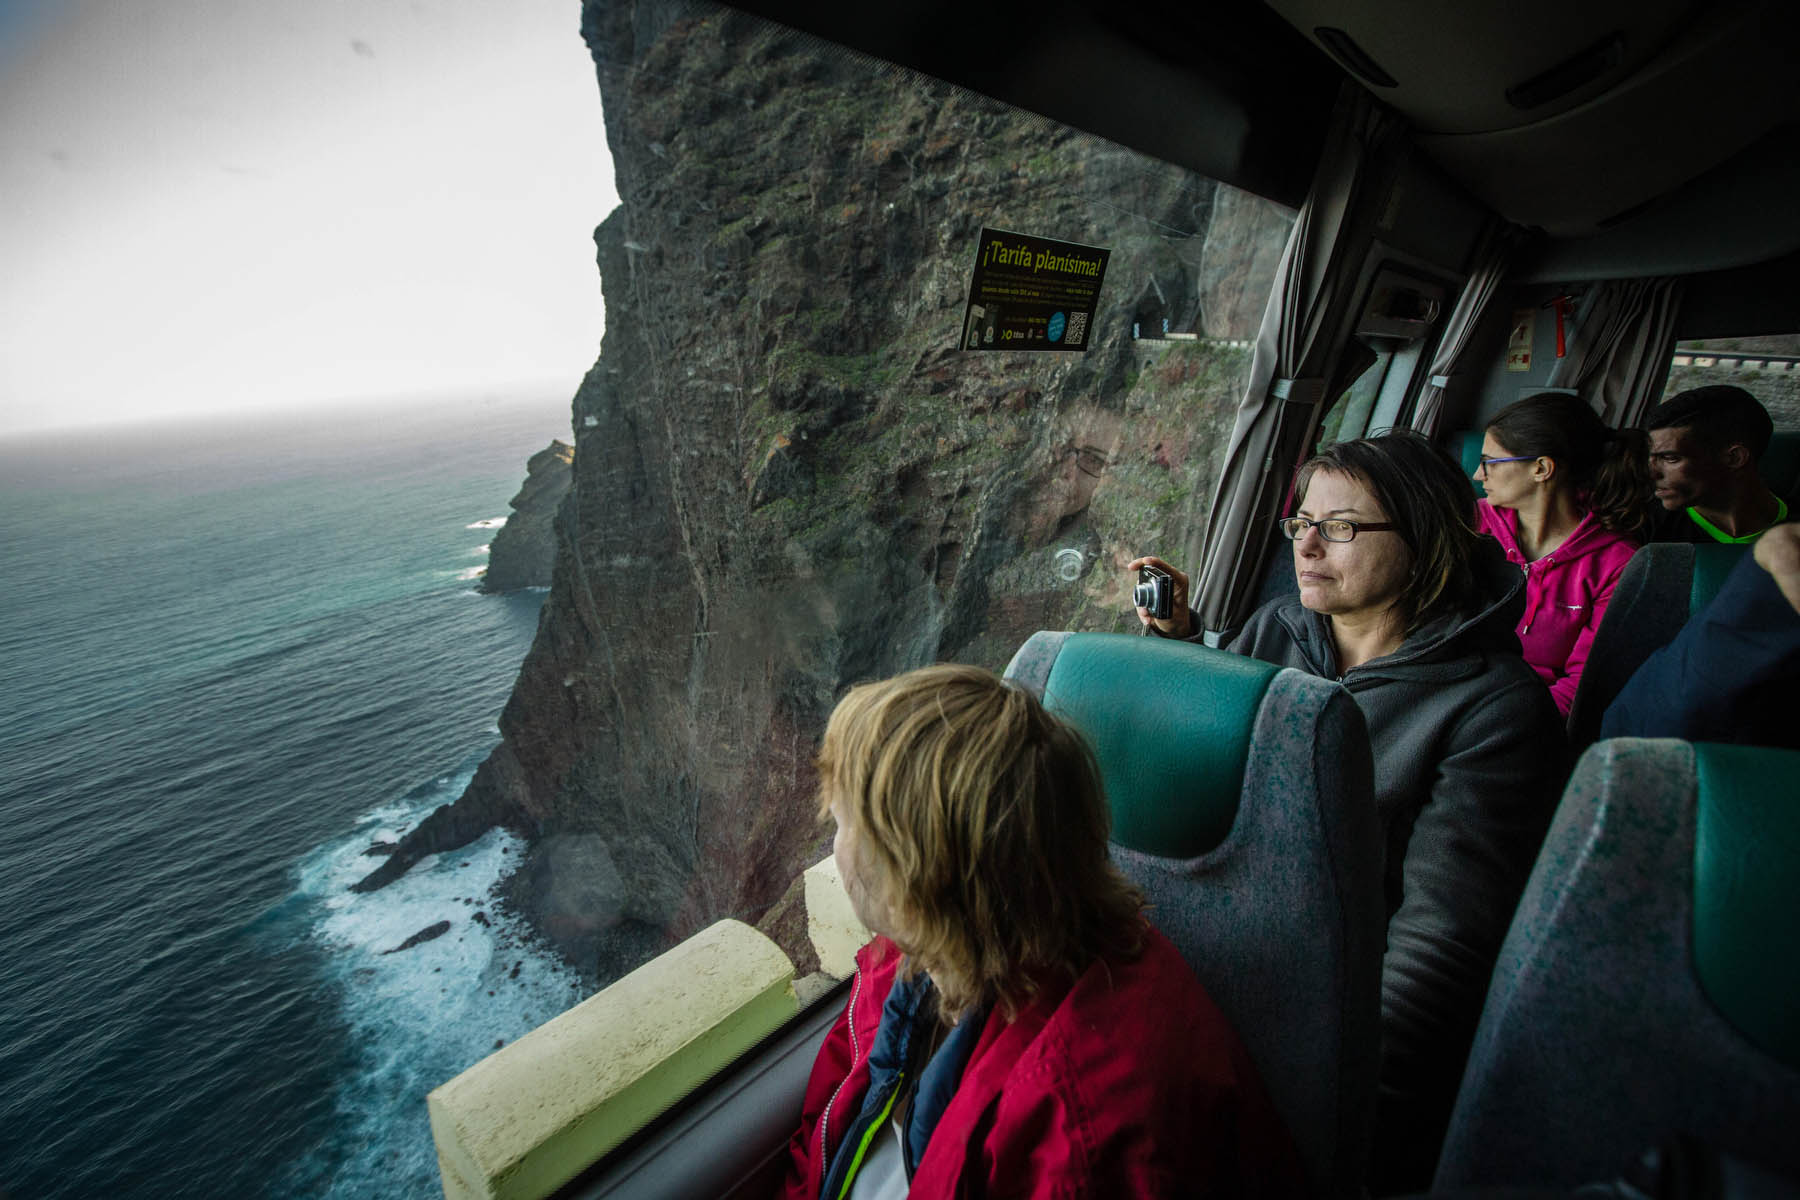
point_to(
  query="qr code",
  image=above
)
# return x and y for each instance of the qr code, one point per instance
(1077, 329)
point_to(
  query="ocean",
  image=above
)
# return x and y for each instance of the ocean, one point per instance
(235, 655)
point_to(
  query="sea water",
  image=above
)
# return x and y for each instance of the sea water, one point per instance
(233, 657)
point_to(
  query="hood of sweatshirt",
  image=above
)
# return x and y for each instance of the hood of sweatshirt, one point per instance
(1589, 537)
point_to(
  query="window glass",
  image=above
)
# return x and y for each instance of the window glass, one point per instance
(437, 818)
(790, 477)
(1767, 367)
(1349, 416)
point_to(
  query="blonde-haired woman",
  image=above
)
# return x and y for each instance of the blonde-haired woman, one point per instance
(1016, 1027)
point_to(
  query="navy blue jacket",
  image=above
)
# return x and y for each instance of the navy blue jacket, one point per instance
(1729, 675)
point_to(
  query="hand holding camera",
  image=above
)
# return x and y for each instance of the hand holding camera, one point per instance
(1161, 597)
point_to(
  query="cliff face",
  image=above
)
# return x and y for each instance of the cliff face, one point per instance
(788, 480)
(523, 552)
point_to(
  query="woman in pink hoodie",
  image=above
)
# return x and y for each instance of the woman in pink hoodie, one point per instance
(1566, 497)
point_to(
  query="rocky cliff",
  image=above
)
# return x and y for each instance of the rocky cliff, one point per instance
(523, 553)
(788, 479)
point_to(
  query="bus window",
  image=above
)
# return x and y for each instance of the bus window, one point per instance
(792, 475)
(1375, 398)
(1766, 367)
(1348, 417)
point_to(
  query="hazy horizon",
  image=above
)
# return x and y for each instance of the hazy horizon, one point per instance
(217, 208)
(466, 403)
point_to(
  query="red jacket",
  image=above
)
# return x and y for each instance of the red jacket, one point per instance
(1129, 1083)
(1566, 594)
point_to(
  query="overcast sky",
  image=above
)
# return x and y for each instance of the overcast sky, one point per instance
(213, 205)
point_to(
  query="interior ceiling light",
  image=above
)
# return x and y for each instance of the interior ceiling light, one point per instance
(1569, 74)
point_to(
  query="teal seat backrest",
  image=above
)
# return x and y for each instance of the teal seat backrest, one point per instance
(1468, 451)
(1243, 805)
(1164, 721)
(1780, 464)
(1712, 563)
(1747, 892)
(1647, 983)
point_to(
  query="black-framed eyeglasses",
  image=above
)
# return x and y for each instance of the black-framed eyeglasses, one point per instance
(1332, 529)
(1488, 462)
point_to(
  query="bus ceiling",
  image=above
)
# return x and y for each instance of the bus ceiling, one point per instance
(1229, 91)
(1642, 136)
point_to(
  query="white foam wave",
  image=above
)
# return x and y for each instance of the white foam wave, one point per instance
(479, 551)
(416, 1017)
(487, 523)
(471, 573)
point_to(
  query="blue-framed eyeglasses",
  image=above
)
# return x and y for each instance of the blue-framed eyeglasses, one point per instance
(1488, 462)
(1332, 529)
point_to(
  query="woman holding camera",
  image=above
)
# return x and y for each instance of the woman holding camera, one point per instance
(1413, 610)
(1566, 500)
(1016, 1028)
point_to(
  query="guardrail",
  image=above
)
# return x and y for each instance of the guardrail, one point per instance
(1735, 358)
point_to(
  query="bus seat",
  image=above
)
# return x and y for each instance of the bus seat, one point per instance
(1647, 984)
(1242, 804)
(1780, 464)
(1663, 585)
(1278, 582)
(1711, 565)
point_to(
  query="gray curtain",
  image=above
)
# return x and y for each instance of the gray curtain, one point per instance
(1293, 356)
(1618, 354)
(1498, 247)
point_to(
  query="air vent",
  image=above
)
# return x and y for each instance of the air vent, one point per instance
(1568, 75)
(1353, 58)
(1400, 305)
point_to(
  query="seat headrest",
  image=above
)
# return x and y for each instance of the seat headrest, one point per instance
(1780, 464)
(1468, 450)
(1747, 891)
(1170, 723)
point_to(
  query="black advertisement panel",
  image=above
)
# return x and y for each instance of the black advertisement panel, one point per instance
(1030, 293)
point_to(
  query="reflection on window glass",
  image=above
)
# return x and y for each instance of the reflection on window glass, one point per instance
(1767, 367)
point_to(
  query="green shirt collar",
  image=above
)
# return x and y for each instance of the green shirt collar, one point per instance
(1719, 535)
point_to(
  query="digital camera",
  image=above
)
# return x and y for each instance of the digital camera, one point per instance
(1155, 591)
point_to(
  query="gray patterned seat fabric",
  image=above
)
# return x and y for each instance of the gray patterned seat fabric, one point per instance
(1243, 806)
(1602, 1032)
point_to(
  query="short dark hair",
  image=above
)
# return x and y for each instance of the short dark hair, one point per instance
(1720, 415)
(1424, 492)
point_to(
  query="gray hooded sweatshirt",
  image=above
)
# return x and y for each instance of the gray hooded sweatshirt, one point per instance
(1469, 764)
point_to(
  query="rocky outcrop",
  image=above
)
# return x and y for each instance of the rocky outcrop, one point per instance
(523, 552)
(429, 933)
(787, 477)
